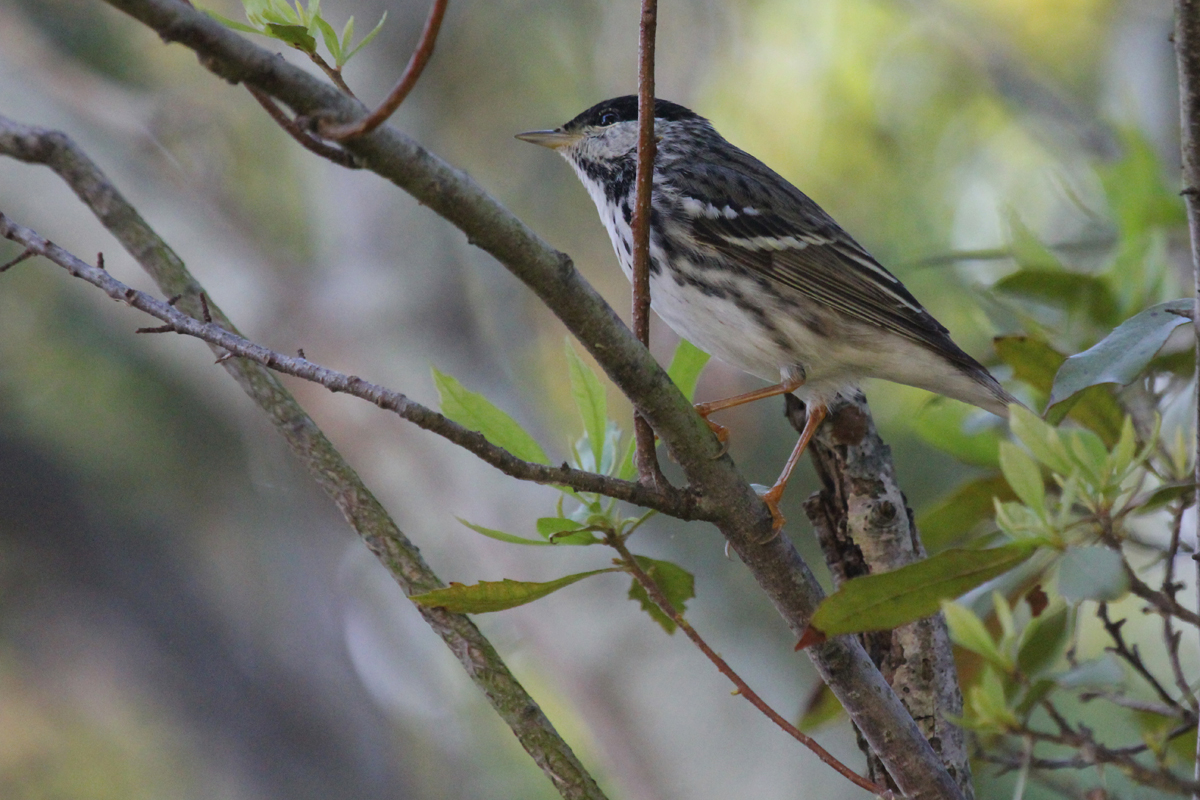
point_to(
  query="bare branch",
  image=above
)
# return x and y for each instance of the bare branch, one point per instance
(335, 154)
(675, 503)
(649, 471)
(408, 79)
(1132, 656)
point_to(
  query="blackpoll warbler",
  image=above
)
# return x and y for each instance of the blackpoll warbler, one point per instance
(749, 269)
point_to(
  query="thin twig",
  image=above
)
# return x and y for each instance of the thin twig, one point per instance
(335, 154)
(675, 503)
(743, 689)
(1171, 637)
(1187, 57)
(334, 73)
(412, 72)
(649, 471)
(10, 264)
(1131, 655)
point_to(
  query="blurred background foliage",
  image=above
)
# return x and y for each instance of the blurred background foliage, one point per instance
(181, 613)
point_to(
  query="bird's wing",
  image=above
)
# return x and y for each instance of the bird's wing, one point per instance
(769, 227)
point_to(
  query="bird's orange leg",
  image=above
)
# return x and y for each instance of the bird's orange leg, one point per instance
(816, 414)
(704, 409)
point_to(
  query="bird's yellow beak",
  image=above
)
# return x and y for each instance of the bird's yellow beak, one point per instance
(555, 139)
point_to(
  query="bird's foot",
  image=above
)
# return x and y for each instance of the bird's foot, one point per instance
(721, 431)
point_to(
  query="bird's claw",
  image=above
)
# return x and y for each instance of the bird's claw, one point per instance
(722, 434)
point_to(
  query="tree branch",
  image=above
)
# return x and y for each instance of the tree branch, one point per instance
(303, 137)
(330, 471)
(744, 519)
(675, 503)
(1187, 56)
(408, 79)
(864, 527)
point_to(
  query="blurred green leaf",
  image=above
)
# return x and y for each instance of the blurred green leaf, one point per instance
(1139, 196)
(487, 596)
(366, 39)
(1041, 439)
(476, 412)
(552, 529)
(686, 366)
(822, 707)
(229, 23)
(590, 400)
(1122, 355)
(1067, 290)
(1024, 476)
(676, 583)
(988, 704)
(1035, 363)
(968, 632)
(295, 35)
(1164, 495)
(329, 36)
(891, 599)
(957, 515)
(1027, 250)
(942, 423)
(1092, 573)
(1102, 671)
(1042, 642)
(492, 533)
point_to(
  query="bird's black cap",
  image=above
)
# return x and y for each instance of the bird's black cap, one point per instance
(625, 109)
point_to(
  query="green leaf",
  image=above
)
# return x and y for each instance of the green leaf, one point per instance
(956, 516)
(476, 412)
(366, 39)
(295, 35)
(968, 632)
(988, 703)
(686, 366)
(1092, 572)
(1068, 290)
(1027, 250)
(329, 36)
(591, 402)
(492, 533)
(486, 596)
(229, 23)
(1042, 642)
(822, 707)
(942, 423)
(1123, 354)
(674, 581)
(1166, 494)
(348, 33)
(1138, 196)
(552, 529)
(891, 599)
(1023, 476)
(1102, 671)
(1041, 439)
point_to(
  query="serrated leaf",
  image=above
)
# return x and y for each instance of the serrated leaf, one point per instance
(1023, 476)
(968, 632)
(560, 530)
(686, 366)
(488, 596)
(590, 401)
(295, 35)
(674, 581)
(501, 536)
(474, 411)
(1092, 572)
(366, 39)
(891, 599)
(1122, 355)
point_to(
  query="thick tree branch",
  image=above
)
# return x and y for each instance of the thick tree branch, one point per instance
(331, 472)
(745, 521)
(865, 527)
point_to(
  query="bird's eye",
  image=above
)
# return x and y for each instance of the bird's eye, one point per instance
(608, 118)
